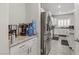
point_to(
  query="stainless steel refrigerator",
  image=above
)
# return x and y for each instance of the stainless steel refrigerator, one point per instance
(45, 33)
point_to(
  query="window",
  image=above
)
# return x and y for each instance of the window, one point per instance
(63, 22)
(60, 22)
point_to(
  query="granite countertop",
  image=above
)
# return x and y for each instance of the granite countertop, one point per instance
(21, 39)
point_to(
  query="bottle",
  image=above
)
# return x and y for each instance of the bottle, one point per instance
(34, 26)
(10, 39)
(30, 30)
(13, 37)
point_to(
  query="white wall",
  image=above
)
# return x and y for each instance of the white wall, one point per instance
(22, 12)
(77, 28)
(19, 13)
(4, 16)
(77, 21)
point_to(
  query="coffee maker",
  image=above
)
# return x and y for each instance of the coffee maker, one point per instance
(23, 28)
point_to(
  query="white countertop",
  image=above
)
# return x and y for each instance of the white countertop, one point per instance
(21, 39)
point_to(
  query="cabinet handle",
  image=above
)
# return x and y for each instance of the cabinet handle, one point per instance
(28, 51)
(22, 46)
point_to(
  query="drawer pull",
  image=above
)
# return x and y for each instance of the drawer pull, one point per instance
(28, 51)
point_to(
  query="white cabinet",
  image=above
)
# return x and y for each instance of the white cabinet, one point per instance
(25, 48)
(19, 49)
(33, 47)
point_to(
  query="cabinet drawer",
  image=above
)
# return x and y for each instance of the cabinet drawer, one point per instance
(33, 48)
(19, 49)
(25, 48)
(31, 42)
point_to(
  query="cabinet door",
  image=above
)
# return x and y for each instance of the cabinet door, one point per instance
(33, 47)
(26, 48)
(20, 49)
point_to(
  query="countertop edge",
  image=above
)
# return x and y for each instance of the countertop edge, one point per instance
(14, 44)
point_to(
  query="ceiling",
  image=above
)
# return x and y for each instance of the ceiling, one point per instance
(56, 8)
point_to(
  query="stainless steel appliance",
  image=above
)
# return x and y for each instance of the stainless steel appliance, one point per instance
(45, 33)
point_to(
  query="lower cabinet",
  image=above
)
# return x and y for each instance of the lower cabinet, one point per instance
(26, 48)
(33, 47)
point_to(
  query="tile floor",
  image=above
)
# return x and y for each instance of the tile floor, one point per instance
(58, 49)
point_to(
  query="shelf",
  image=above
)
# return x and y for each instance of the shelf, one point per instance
(64, 13)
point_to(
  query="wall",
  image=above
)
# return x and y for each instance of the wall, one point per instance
(77, 21)
(4, 17)
(76, 28)
(18, 13)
